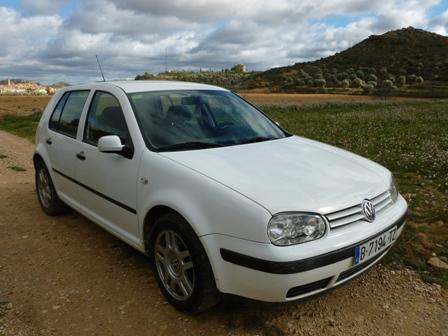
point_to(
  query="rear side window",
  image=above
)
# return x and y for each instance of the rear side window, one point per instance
(105, 118)
(65, 118)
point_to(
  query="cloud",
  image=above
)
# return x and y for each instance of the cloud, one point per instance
(439, 24)
(131, 36)
(41, 6)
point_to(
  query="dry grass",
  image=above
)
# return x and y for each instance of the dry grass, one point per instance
(22, 105)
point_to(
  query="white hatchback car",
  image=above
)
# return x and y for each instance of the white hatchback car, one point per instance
(217, 194)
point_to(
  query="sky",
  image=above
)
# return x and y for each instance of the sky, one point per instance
(57, 40)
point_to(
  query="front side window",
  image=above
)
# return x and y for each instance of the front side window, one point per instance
(65, 117)
(193, 119)
(105, 118)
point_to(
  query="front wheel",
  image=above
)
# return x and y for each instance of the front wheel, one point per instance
(181, 266)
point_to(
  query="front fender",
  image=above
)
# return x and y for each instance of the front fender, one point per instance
(209, 206)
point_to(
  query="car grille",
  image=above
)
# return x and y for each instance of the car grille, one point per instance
(307, 288)
(354, 213)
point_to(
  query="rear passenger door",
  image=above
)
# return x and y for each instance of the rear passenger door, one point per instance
(62, 145)
(110, 195)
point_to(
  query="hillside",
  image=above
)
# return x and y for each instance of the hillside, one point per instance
(408, 61)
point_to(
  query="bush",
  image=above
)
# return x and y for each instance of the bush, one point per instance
(145, 76)
(345, 83)
(320, 82)
(372, 77)
(419, 80)
(412, 78)
(332, 79)
(390, 77)
(373, 83)
(342, 75)
(367, 89)
(388, 83)
(357, 83)
(401, 81)
(360, 74)
(383, 71)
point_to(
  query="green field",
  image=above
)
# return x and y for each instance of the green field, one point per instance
(409, 138)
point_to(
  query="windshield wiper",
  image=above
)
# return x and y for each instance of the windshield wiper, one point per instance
(256, 139)
(189, 145)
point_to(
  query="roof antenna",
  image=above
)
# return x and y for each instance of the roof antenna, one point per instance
(99, 66)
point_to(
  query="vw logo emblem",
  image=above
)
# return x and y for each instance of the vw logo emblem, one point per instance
(368, 209)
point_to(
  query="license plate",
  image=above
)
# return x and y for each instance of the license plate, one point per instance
(374, 246)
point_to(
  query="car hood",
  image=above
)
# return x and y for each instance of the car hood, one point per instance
(290, 174)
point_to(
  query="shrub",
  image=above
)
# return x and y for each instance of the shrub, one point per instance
(419, 80)
(373, 83)
(357, 83)
(412, 78)
(383, 71)
(342, 75)
(372, 77)
(320, 83)
(345, 83)
(367, 89)
(390, 77)
(401, 81)
(388, 83)
(360, 74)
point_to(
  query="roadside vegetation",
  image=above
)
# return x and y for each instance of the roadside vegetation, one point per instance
(408, 137)
(21, 125)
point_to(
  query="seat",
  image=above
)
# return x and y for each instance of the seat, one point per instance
(177, 115)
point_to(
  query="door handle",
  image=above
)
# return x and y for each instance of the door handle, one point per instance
(48, 141)
(81, 156)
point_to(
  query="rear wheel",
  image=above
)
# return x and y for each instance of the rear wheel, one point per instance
(181, 266)
(46, 193)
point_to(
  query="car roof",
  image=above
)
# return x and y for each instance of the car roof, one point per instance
(146, 85)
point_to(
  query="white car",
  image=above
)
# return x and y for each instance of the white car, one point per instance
(218, 195)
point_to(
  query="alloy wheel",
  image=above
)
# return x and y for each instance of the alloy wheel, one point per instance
(174, 265)
(44, 188)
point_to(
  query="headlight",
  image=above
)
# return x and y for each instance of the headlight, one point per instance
(294, 228)
(393, 191)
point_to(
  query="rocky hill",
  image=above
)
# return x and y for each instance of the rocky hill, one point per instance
(408, 60)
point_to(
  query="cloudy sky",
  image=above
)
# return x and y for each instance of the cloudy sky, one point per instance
(57, 40)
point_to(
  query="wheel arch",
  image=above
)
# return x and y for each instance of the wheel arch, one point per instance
(37, 158)
(151, 216)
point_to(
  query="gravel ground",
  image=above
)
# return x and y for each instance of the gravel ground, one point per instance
(66, 276)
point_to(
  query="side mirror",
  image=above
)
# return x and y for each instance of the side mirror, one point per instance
(110, 144)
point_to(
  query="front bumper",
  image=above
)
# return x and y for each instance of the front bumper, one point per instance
(271, 278)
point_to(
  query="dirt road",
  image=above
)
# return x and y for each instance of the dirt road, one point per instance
(66, 276)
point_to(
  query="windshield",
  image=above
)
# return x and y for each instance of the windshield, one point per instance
(195, 119)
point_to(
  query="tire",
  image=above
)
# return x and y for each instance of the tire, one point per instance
(46, 193)
(181, 266)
